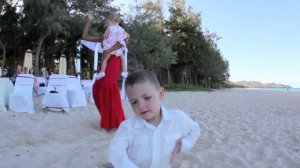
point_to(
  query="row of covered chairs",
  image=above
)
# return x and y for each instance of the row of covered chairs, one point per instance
(61, 93)
(20, 100)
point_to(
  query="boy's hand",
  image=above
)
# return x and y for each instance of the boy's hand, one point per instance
(176, 150)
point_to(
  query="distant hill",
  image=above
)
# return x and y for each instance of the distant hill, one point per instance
(256, 84)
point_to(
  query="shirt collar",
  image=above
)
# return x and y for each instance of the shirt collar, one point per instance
(166, 115)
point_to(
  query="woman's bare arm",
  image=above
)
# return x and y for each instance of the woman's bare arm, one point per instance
(85, 36)
(85, 33)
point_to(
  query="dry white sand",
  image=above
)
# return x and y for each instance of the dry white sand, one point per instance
(240, 128)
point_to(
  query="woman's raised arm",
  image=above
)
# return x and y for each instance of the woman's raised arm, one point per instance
(85, 33)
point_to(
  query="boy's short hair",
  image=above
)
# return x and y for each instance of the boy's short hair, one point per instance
(140, 77)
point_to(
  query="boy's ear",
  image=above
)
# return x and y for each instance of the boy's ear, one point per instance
(161, 92)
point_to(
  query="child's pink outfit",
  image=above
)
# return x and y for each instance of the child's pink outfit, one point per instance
(116, 35)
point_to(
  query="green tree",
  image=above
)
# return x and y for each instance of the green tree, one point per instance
(44, 17)
(184, 28)
(199, 59)
(150, 47)
(9, 28)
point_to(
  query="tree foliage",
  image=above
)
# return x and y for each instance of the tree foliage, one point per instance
(150, 47)
(199, 59)
(176, 48)
(10, 30)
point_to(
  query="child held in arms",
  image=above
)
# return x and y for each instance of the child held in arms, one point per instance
(114, 33)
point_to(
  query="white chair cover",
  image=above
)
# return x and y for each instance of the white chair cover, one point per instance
(6, 88)
(88, 87)
(76, 95)
(41, 80)
(20, 100)
(56, 101)
(42, 89)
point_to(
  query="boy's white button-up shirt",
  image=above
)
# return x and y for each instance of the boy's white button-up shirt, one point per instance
(140, 144)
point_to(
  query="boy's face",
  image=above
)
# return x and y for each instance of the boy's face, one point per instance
(145, 100)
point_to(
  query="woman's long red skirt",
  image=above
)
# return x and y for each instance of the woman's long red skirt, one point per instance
(106, 95)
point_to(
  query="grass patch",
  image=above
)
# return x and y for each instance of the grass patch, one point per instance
(177, 87)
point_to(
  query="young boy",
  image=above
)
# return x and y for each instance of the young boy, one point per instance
(155, 135)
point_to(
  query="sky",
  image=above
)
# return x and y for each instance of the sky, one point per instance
(259, 38)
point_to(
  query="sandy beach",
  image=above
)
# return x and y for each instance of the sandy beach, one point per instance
(240, 129)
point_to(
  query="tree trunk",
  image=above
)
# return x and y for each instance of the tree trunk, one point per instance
(71, 64)
(196, 80)
(183, 76)
(169, 80)
(3, 46)
(37, 54)
(37, 58)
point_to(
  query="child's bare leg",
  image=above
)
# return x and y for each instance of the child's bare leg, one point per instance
(124, 73)
(104, 63)
(101, 74)
(36, 91)
(124, 68)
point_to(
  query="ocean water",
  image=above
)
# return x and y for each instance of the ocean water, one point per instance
(279, 89)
